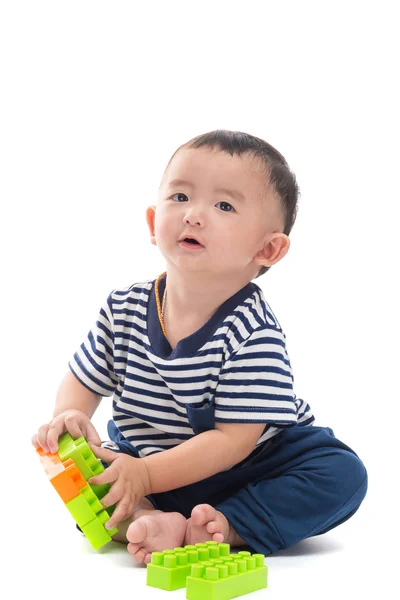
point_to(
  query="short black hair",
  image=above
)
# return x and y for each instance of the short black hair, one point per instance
(277, 170)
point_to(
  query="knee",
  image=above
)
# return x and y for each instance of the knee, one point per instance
(351, 475)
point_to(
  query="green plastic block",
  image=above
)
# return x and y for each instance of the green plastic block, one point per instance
(90, 515)
(88, 464)
(168, 570)
(95, 532)
(85, 507)
(101, 490)
(82, 455)
(229, 577)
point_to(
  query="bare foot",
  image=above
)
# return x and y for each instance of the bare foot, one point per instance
(206, 523)
(155, 532)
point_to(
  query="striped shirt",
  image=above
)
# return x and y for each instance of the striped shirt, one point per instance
(236, 364)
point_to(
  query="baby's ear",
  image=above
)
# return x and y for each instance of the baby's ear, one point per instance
(275, 248)
(150, 217)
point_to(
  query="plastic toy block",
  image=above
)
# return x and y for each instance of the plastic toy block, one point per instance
(51, 463)
(69, 483)
(226, 578)
(87, 463)
(81, 453)
(85, 507)
(65, 477)
(168, 570)
(81, 498)
(96, 533)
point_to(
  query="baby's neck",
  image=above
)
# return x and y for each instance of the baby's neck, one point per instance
(189, 303)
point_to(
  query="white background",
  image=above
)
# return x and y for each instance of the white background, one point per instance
(95, 97)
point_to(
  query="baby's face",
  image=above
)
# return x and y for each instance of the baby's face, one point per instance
(224, 201)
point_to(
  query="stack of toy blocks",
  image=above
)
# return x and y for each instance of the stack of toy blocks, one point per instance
(69, 471)
(208, 571)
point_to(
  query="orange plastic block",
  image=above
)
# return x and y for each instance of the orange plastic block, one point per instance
(65, 477)
(51, 463)
(68, 483)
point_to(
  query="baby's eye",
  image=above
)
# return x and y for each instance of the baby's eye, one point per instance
(227, 204)
(179, 194)
(230, 209)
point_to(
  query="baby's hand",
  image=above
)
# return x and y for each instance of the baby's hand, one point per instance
(75, 422)
(129, 481)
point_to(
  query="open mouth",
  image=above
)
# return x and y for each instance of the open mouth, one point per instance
(191, 243)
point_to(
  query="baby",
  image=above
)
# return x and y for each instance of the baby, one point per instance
(208, 439)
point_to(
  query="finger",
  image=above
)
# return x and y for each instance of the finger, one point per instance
(108, 476)
(74, 426)
(42, 437)
(34, 441)
(91, 435)
(115, 494)
(123, 510)
(105, 454)
(56, 428)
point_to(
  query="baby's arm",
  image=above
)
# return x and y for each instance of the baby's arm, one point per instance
(75, 405)
(202, 456)
(72, 395)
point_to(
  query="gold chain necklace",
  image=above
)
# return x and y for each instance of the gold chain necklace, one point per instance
(161, 309)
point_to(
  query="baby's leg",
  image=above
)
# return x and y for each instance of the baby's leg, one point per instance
(150, 530)
(312, 482)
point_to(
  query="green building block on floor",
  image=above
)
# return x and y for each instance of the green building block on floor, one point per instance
(228, 577)
(168, 570)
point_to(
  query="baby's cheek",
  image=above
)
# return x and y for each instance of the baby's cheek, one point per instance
(163, 231)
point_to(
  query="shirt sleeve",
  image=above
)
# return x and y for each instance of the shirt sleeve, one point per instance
(256, 383)
(93, 362)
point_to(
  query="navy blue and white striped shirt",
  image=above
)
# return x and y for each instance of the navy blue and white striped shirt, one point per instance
(237, 362)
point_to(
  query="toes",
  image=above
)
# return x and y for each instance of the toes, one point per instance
(147, 558)
(133, 548)
(197, 516)
(141, 554)
(137, 531)
(138, 552)
(214, 527)
(202, 514)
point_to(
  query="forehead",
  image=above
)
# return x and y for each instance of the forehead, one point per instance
(217, 169)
